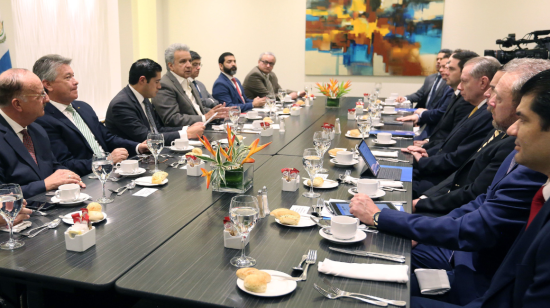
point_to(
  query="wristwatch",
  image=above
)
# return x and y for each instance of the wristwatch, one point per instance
(375, 218)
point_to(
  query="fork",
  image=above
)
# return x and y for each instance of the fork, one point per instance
(330, 295)
(342, 292)
(311, 258)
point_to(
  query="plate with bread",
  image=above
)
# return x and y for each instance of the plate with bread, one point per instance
(291, 218)
(95, 214)
(188, 148)
(158, 178)
(262, 283)
(319, 182)
(332, 152)
(354, 134)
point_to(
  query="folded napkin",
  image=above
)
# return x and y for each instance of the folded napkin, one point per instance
(376, 272)
(17, 228)
(394, 184)
(218, 127)
(384, 153)
(432, 281)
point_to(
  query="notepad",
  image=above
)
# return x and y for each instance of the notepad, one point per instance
(393, 132)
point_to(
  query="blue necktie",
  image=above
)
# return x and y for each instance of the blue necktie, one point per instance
(434, 88)
(198, 90)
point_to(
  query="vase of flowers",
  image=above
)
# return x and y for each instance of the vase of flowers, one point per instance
(334, 91)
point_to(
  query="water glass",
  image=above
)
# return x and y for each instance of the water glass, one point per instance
(12, 202)
(363, 124)
(321, 142)
(102, 166)
(312, 162)
(155, 143)
(244, 212)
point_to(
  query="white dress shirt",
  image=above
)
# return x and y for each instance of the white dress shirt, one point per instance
(185, 84)
(14, 125)
(546, 190)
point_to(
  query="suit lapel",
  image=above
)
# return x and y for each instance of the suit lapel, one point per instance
(13, 140)
(179, 88)
(137, 104)
(38, 152)
(61, 117)
(92, 126)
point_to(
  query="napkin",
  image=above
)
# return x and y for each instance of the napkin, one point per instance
(432, 281)
(384, 153)
(218, 127)
(17, 228)
(394, 184)
(376, 272)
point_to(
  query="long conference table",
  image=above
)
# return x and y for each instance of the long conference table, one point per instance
(167, 249)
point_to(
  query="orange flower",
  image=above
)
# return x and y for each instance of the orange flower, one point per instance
(208, 175)
(254, 148)
(224, 153)
(229, 139)
(249, 160)
(207, 145)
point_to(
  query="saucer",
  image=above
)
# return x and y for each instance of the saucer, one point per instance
(146, 181)
(140, 171)
(384, 112)
(359, 236)
(378, 125)
(379, 193)
(390, 104)
(69, 220)
(83, 197)
(189, 148)
(326, 184)
(277, 287)
(353, 162)
(254, 118)
(390, 142)
(303, 223)
(195, 143)
(353, 137)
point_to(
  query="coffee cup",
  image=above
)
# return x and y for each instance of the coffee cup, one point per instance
(389, 101)
(368, 187)
(344, 157)
(383, 137)
(375, 121)
(68, 192)
(128, 166)
(180, 143)
(288, 98)
(252, 114)
(389, 109)
(344, 227)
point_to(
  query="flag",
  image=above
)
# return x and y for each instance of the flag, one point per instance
(5, 60)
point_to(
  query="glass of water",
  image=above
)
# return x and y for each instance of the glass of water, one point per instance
(281, 94)
(270, 103)
(12, 202)
(363, 124)
(312, 163)
(102, 166)
(244, 212)
(321, 142)
(155, 143)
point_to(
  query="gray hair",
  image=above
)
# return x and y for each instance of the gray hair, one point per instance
(46, 67)
(483, 66)
(171, 50)
(525, 68)
(11, 85)
(269, 53)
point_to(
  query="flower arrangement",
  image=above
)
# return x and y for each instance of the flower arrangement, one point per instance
(230, 158)
(333, 89)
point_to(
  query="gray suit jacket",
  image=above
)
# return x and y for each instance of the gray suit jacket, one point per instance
(172, 104)
(421, 96)
(255, 84)
(207, 99)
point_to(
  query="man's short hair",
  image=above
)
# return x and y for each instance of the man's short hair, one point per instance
(525, 68)
(11, 85)
(171, 50)
(463, 56)
(483, 66)
(221, 59)
(194, 55)
(269, 53)
(46, 67)
(143, 67)
(447, 52)
(539, 87)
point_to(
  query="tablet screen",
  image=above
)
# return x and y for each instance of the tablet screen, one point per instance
(343, 208)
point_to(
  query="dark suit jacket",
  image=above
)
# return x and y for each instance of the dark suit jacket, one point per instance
(126, 118)
(481, 231)
(17, 165)
(255, 84)
(470, 180)
(435, 112)
(69, 145)
(225, 92)
(207, 99)
(421, 96)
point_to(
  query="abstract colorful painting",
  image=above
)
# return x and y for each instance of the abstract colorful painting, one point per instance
(373, 37)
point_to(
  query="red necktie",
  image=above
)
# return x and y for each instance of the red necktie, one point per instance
(238, 89)
(27, 141)
(536, 205)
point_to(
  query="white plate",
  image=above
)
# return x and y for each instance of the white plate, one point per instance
(338, 149)
(254, 118)
(303, 223)
(146, 181)
(353, 162)
(359, 236)
(195, 143)
(326, 184)
(350, 136)
(378, 125)
(395, 112)
(379, 193)
(140, 171)
(389, 104)
(277, 287)
(189, 148)
(226, 142)
(83, 197)
(390, 142)
(280, 112)
(69, 220)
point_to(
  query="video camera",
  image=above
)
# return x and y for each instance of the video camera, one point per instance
(539, 52)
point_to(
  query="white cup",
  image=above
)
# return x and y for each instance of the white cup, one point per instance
(252, 114)
(344, 157)
(389, 109)
(68, 192)
(383, 137)
(344, 227)
(288, 98)
(368, 187)
(128, 166)
(375, 121)
(180, 143)
(389, 101)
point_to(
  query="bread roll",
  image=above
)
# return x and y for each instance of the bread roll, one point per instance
(263, 274)
(300, 102)
(245, 271)
(282, 211)
(94, 206)
(317, 182)
(334, 151)
(255, 283)
(289, 220)
(286, 110)
(95, 215)
(355, 133)
(196, 151)
(268, 119)
(158, 177)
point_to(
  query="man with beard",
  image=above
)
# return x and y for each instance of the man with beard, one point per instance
(228, 89)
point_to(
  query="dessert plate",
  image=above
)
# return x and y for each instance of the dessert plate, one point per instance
(277, 287)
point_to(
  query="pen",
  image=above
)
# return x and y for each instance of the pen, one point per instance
(211, 118)
(331, 209)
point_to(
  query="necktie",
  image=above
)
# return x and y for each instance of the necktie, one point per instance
(269, 85)
(150, 117)
(434, 88)
(27, 141)
(473, 111)
(84, 130)
(198, 90)
(497, 132)
(512, 165)
(536, 205)
(238, 89)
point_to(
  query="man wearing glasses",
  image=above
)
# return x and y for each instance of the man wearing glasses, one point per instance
(261, 81)
(207, 99)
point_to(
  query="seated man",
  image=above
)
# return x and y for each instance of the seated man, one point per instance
(262, 81)
(72, 126)
(177, 103)
(25, 154)
(207, 99)
(132, 116)
(228, 89)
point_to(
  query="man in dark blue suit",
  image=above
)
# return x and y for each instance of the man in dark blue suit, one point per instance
(73, 127)
(228, 89)
(25, 154)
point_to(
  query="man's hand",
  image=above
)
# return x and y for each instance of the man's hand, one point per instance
(120, 154)
(420, 143)
(223, 112)
(413, 148)
(417, 156)
(363, 207)
(143, 148)
(415, 201)
(414, 243)
(60, 177)
(400, 99)
(196, 130)
(420, 110)
(258, 102)
(293, 95)
(412, 117)
(302, 94)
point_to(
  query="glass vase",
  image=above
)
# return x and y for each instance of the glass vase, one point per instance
(236, 181)
(333, 102)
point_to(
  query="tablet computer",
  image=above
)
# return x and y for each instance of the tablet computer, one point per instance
(342, 208)
(33, 205)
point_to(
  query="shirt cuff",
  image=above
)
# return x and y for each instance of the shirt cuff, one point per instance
(137, 149)
(203, 118)
(183, 132)
(423, 197)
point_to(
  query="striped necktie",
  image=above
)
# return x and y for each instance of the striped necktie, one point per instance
(434, 88)
(84, 130)
(497, 132)
(238, 89)
(198, 90)
(27, 142)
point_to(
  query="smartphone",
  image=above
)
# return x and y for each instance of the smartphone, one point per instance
(342, 208)
(33, 205)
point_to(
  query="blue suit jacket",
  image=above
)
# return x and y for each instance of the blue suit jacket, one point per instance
(69, 145)
(17, 165)
(433, 115)
(224, 91)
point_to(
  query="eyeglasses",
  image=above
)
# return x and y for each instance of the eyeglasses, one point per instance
(268, 63)
(197, 65)
(42, 95)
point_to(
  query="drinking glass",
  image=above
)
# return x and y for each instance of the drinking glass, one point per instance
(321, 142)
(270, 103)
(102, 166)
(281, 94)
(244, 212)
(234, 115)
(12, 202)
(312, 163)
(363, 124)
(378, 86)
(155, 143)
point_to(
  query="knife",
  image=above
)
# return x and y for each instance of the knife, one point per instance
(389, 257)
